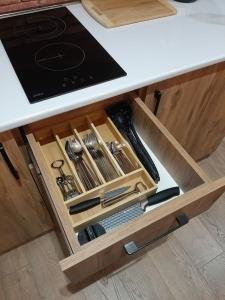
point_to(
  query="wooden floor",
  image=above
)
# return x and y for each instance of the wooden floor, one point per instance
(189, 265)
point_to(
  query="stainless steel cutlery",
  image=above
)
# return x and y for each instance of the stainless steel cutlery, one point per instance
(75, 152)
(65, 182)
(139, 186)
(138, 209)
(105, 197)
(108, 198)
(116, 149)
(104, 165)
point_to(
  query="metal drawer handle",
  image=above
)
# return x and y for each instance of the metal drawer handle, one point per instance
(8, 162)
(132, 248)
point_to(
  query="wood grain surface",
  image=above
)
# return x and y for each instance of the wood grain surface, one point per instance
(113, 13)
(22, 210)
(192, 108)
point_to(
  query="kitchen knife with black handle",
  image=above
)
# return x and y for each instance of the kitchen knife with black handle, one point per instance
(162, 196)
(136, 210)
(87, 204)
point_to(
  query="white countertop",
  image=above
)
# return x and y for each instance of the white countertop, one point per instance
(149, 52)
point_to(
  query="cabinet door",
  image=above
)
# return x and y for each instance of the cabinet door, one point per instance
(23, 213)
(192, 107)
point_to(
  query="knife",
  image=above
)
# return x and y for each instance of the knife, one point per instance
(137, 209)
(85, 205)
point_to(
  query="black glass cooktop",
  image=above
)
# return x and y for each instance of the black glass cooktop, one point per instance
(53, 53)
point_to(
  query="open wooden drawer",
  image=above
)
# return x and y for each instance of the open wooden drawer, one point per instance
(47, 140)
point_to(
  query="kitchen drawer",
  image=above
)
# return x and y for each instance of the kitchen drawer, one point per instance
(47, 140)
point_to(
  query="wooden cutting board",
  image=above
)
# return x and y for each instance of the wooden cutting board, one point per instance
(113, 13)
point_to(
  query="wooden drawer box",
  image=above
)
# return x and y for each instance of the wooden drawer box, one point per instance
(46, 139)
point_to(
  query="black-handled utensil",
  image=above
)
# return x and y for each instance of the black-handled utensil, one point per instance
(90, 233)
(85, 205)
(128, 214)
(162, 196)
(121, 115)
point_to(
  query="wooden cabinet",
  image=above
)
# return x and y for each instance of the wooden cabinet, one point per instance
(23, 215)
(115, 247)
(192, 107)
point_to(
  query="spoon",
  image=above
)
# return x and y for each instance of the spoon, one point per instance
(116, 149)
(75, 150)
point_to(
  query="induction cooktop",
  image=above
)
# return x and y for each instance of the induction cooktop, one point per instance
(52, 53)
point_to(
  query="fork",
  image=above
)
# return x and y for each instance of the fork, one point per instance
(74, 151)
(105, 167)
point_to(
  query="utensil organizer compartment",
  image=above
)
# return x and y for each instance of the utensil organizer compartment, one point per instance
(52, 147)
(47, 140)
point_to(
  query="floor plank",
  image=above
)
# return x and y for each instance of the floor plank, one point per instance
(214, 218)
(179, 273)
(20, 285)
(214, 273)
(214, 221)
(2, 289)
(214, 165)
(198, 242)
(43, 256)
(141, 280)
(13, 261)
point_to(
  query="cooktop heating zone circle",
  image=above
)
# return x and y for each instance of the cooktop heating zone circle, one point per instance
(41, 27)
(59, 57)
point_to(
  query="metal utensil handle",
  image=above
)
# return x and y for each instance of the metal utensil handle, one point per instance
(110, 169)
(61, 184)
(132, 248)
(124, 162)
(71, 181)
(108, 202)
(91, 175)
(101, 163)
(82, 174)
(118, 198)
(102, 168)
(8, 162)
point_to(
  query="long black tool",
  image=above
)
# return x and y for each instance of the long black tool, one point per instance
(87, 204)
(121, 115)
(83, 206)
(162, 196)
